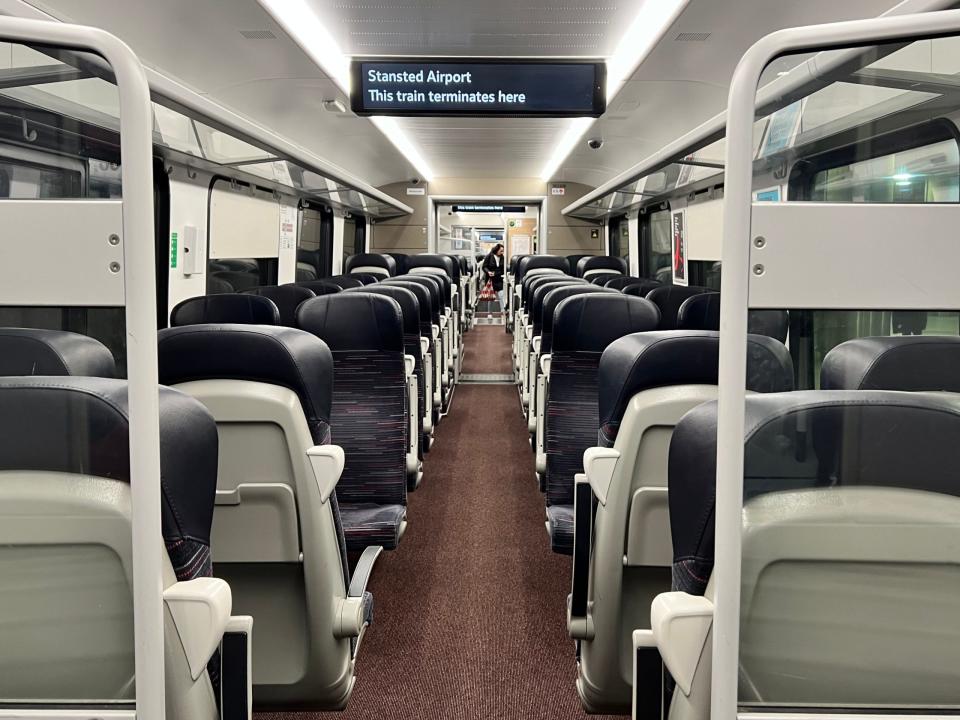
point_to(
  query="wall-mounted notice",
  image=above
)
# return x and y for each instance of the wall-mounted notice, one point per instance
(558, 189)
(414, 86)
(679, 270)
(520, 244)
(416, 191)
(288, 227)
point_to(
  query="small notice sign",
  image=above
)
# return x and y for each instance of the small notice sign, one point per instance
(558, 190)
(416, 191)
(680, 276)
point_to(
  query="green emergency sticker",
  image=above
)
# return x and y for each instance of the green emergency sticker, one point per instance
(173, 250)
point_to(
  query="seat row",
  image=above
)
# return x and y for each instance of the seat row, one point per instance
(307, 409)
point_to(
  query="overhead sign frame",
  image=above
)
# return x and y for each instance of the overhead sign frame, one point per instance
(515, 71)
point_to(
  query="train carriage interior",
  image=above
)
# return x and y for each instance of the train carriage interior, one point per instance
(444, 360)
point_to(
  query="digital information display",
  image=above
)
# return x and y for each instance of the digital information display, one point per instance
(475, 88)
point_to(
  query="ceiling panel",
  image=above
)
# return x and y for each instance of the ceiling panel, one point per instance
(466, 27)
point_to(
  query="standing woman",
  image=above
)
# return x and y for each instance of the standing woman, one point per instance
(493, 267)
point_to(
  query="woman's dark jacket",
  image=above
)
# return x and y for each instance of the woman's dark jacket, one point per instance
(490, 265)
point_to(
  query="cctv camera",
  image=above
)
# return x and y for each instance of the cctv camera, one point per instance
(415, 181)
(595, 143)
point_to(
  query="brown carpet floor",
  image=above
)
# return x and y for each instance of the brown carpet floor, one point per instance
(470, 609)
(487, 350)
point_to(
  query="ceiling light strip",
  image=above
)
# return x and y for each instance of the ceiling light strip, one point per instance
(303, 26)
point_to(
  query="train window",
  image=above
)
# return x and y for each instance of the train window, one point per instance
(354, 235)
(315, 244)
(243, 237)
(655, 230)
(618, 231)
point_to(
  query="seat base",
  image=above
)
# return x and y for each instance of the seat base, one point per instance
(560, 523)
(366, 524)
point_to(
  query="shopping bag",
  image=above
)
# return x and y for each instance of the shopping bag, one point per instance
(488, 294)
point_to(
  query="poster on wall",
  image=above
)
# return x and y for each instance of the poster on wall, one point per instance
(520, 244)
(288, 227)
(680, 275)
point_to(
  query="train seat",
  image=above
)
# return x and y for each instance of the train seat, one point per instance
(573, 261)
(228, 308)
(526, 337)
(551, 302)
(669, 298)
(433, 288)
(321, 287)
(533, 342)
(416, 384)
(367, 278)
(592, 265)
(29, 351)
(344, 282)
(521, 319)
(640, 288)
(850, 506)
(583, 327)
(603, 277)
(369, 420)
(446, 369)
(371, 263)
(910, 363)
(287, 298)
(618, 282)
(622, 549)
(277, 537)
(702, 312)
(65, 548)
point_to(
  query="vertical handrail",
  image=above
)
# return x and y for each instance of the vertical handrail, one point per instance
(139, 274)
(738, 196)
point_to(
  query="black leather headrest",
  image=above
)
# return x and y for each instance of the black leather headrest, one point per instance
(454, 266)
(512, 263)
(401, 260)
(669, 298)
(808, 439)
(287, 298)
(602, 278)
(443, 282)
(618, 282)
(647, 360)
(912, 363)
(344, 282)
(217, 286)
(409, 305)
(541, 262)
(534, 283)
(539, 294)
(366, 278)
(81, 426)
(320, 287)
(640, 288)
(573, 261)
(282, 356)
(432, 260)
(589, 323)
(232, 308)
(431, 286)
(354, 321)
(553, 298)
(422, 293)
(29, 351)
(239, 280)
(370, 260)
(702, 312)
(601, 262)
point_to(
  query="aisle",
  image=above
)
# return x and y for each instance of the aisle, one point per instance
(470, 610)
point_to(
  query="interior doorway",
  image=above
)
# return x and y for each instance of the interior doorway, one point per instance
(475, 227)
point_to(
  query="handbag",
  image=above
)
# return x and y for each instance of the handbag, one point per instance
(488, 294)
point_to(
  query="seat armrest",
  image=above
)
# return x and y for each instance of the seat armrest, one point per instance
(580, 622)
(435, 329)
(409, 365)
(350, 616)
(236, 669)
(536, 344)
(545, 364)
(425, 345)
(200, 609)
(681, 623)
(327, 463)
(599, 465)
